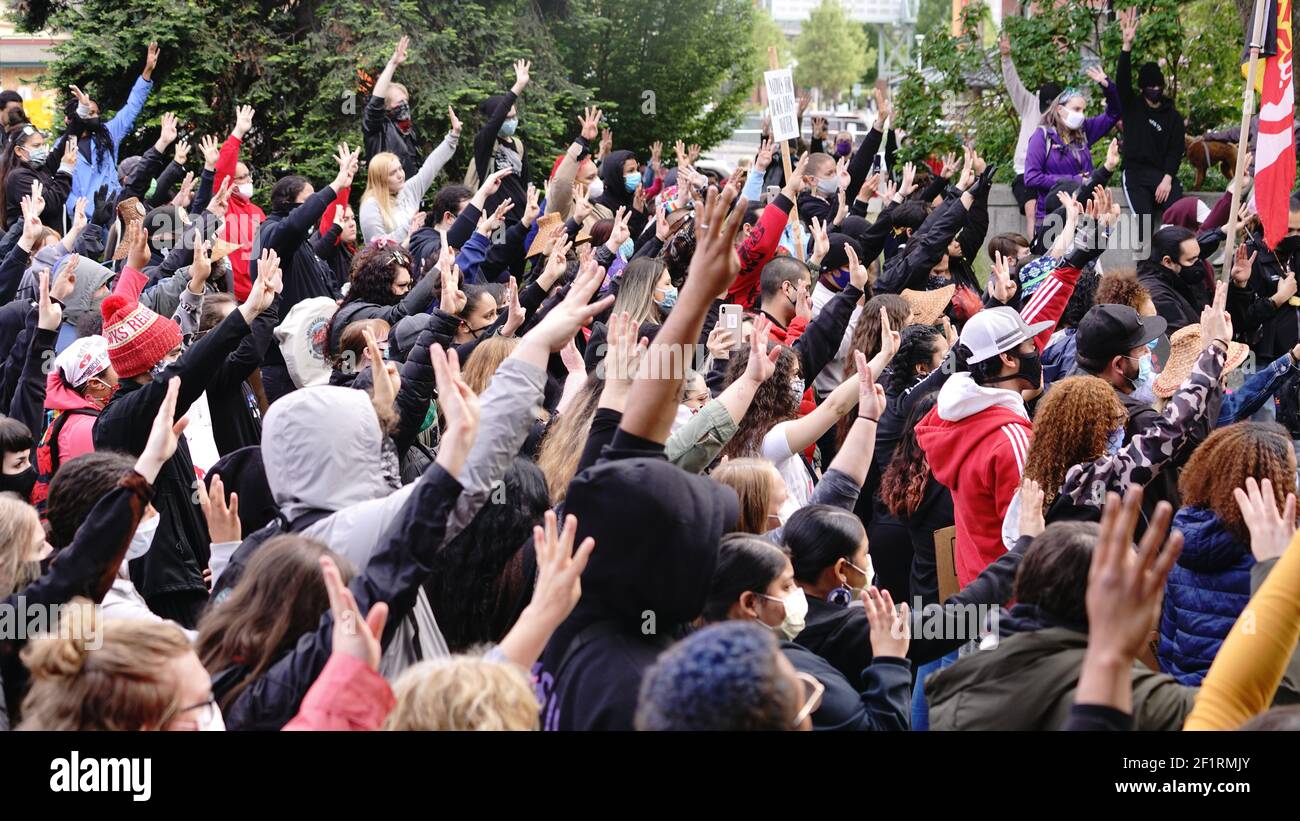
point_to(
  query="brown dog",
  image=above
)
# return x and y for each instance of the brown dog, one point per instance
(1203, 154)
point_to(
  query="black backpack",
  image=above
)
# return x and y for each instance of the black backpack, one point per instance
(244, 553)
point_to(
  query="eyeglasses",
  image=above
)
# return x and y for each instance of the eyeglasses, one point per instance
(812, 697)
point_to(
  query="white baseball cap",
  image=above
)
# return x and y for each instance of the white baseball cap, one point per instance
(996, 330)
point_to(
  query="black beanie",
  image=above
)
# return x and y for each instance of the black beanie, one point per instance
(1150, 75)
(1047, 92)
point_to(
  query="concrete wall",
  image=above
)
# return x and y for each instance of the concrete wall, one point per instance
(1003, 217)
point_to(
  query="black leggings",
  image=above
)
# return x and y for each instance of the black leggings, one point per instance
(1140, 190)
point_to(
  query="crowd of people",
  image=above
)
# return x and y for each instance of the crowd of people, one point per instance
(629, 445)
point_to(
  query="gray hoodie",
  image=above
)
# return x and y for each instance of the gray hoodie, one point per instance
(338, 467)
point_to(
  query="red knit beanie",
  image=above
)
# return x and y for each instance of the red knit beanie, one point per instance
(137, 337)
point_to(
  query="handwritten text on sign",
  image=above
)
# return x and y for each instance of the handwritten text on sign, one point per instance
(781, 104)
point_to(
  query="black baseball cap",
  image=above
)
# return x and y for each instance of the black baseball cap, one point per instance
(1114, 330)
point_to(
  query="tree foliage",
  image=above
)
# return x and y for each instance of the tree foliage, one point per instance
(960, 94)
(308, 67)
(670, 69)
(831, 51)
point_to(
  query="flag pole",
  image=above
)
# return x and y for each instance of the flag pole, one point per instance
(1243, 138)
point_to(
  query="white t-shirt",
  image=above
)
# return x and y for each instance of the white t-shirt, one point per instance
(798, 481)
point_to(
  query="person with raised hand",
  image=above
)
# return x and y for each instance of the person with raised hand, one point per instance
(393, 194)
(145, 349)
(386, 122)
(269, 698)
(295, 211)
(97, 141)
(27, 159)
(497, 148)
(1124, 587)
(575, 168)
(243, 216)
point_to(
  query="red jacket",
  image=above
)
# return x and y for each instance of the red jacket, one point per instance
(347, 695)
(242, 217)
(976, 441)
(756, 250)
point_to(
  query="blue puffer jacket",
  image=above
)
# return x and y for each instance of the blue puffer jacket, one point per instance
(1206, 592)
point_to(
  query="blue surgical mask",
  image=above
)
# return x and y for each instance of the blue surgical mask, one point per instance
(669, 300)
(631, 181)
(626, 249)
(508, 127)
(841, 277)
(38, 156)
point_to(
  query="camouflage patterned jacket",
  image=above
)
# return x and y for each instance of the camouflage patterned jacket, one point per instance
(1138, 462)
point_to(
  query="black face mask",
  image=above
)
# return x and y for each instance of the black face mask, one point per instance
(91, 123)
(401, 111)
(1031, 370)
(20, 483)
(1153, 93)
(1191, 274)
(1287, 247)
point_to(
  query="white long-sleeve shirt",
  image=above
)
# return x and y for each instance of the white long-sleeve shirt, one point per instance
(1026, 103)
(408, 199)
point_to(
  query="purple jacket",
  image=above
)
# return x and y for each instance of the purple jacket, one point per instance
(1049, 161)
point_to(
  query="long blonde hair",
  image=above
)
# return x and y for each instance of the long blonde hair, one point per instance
(486, 357)
(17, 570)
(377, 172)
(561, 448)
(751, 478)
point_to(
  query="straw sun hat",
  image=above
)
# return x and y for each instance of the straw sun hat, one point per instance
(928, 306)
(1184, 348)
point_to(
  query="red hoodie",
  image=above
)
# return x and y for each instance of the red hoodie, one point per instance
(976, 440)
(756, 250)
(242, 217)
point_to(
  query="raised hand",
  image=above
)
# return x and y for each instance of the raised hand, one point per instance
(1124, 587)
(49, 314)
(223, 519)
(201, 268)
(1270, 532)
(1001, 285)
(83, 99)
(1128, 22)
(185, 194)
(399, 51)
(221, 198)
(1216, 324)
(459, 407)
(181, 152)
(623, 354)
(136, 241)
(871, 396)
(167, 132)
(521, 76)
(386, 379)
(211, 149)
(1242, 265)
(859, 274)
(1098, 76)
(821, 241)
(764, 156)
(908, 185)
(355, 634)
(949, 164)
(589, 123)
(70, 154)
(762, 362)
(560, 323)
(1031, 508)
(456, 124)
(270, 281)
(795, 183)
(890, 629)
(516, 314)
(150, 61)
(243, 120)
(347, 158)
(531, 206)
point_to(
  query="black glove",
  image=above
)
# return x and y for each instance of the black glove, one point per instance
(984, 181)
(103, 214)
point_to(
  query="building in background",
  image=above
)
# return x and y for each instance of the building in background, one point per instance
(23, 58)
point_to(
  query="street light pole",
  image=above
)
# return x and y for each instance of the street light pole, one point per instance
(920, 38)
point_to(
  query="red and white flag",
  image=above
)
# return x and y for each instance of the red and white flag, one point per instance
(1275, 145)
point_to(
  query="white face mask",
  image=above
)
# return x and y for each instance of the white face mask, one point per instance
(142, 539)
(214, 724)
(246, 189)
(595, 189)
(1073, 119)
(796, 610)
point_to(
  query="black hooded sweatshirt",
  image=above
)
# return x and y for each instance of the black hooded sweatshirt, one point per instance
(616, 195)
(1153, 137)
(650, 576)
(486, 159)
